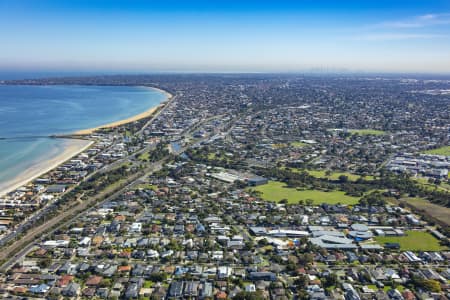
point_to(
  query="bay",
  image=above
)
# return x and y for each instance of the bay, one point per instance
(28, 114)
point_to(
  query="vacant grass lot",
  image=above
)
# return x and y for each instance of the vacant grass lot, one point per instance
(276, 191)
(439, 151)
(367, 131)
(413, 241)
(438, 212)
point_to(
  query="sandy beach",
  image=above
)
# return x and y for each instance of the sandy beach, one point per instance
(134, 118)
(74, 147)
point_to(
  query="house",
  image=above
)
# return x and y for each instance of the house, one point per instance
(255, 181)
(71, 290)
(191, 289)
(56, 188)
(176, 290)
(266, 276)
(206, 290)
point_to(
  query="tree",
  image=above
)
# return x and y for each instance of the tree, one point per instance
(45, 263)
(343, 178)
(249, 296)
(330, 280)
(301, 282)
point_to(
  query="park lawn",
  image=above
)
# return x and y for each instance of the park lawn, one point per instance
(430, 186)
(414, 241)
(144, 156)
(275, 191)
(439, 151)
(367, 131)
(298, 144)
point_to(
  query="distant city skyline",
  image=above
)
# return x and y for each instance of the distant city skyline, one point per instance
(225, 36)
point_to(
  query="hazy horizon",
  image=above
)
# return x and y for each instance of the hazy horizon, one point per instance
(225, 36)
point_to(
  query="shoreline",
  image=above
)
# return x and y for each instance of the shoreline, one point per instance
(145, 114)
(74, 147)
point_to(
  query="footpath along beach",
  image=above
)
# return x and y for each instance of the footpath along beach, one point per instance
(72, 147)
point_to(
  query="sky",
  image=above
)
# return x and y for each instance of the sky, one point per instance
(225, 36)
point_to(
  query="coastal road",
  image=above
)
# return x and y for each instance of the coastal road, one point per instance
(156, 115)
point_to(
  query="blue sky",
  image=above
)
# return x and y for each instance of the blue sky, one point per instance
(225, 36)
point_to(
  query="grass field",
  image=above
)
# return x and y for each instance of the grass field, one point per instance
(414, 241)
(430, 186)
(439, 151)
(276, 191)
(147, 186)
(144, 156)
(367, 131)
(438, 212)
(298, 144)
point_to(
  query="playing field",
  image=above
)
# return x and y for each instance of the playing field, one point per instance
(298, 144)
(439, 151)
(276, 191)
(367, 131)
(413, 241)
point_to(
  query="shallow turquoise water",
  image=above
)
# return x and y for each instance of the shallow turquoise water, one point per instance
(30, 111)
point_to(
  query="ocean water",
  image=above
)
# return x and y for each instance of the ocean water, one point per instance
(28, 114)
